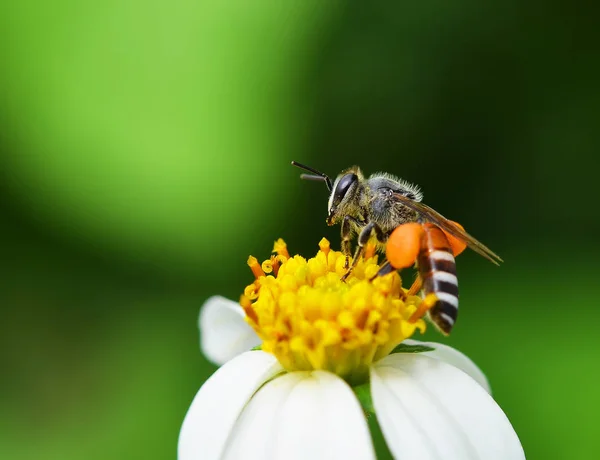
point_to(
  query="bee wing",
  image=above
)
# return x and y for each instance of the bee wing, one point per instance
(436, 218)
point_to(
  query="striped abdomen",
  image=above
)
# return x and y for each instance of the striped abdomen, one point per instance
(437, 269)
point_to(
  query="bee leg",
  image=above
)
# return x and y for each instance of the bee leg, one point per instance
(416, 286)
(385, 269)
(363, 239)
(346, 236)
(427, 304)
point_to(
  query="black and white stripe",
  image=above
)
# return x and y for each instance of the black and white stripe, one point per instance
(438, 270)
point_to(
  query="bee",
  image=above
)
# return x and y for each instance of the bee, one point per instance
(391, 210)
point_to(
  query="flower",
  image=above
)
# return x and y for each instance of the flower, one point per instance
(332, 352)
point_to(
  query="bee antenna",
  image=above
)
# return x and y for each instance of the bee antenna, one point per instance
(316, 175)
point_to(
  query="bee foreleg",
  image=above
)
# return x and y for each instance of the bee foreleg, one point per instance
(363, 238)
(347, 235)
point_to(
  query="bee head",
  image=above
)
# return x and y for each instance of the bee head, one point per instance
(342, 200)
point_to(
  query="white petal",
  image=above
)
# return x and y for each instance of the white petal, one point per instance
(456, 358)
(220, 401)
(302, 415)
(428, 409)
(223, 331)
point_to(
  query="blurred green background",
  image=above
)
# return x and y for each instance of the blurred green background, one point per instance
(144, 154)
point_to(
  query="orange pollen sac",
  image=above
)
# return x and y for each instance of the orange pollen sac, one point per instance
(456, 244)
(403, 245)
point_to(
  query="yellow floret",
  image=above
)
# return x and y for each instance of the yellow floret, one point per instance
(310, 319)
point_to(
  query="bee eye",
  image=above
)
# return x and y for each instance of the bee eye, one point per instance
(343, 186)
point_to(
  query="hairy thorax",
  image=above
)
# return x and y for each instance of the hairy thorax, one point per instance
(387, 212)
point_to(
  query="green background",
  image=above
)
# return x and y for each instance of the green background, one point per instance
(144, 154)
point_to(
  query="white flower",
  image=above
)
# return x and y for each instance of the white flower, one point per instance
(430, 405)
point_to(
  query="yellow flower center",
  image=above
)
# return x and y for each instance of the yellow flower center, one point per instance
(310, 319)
